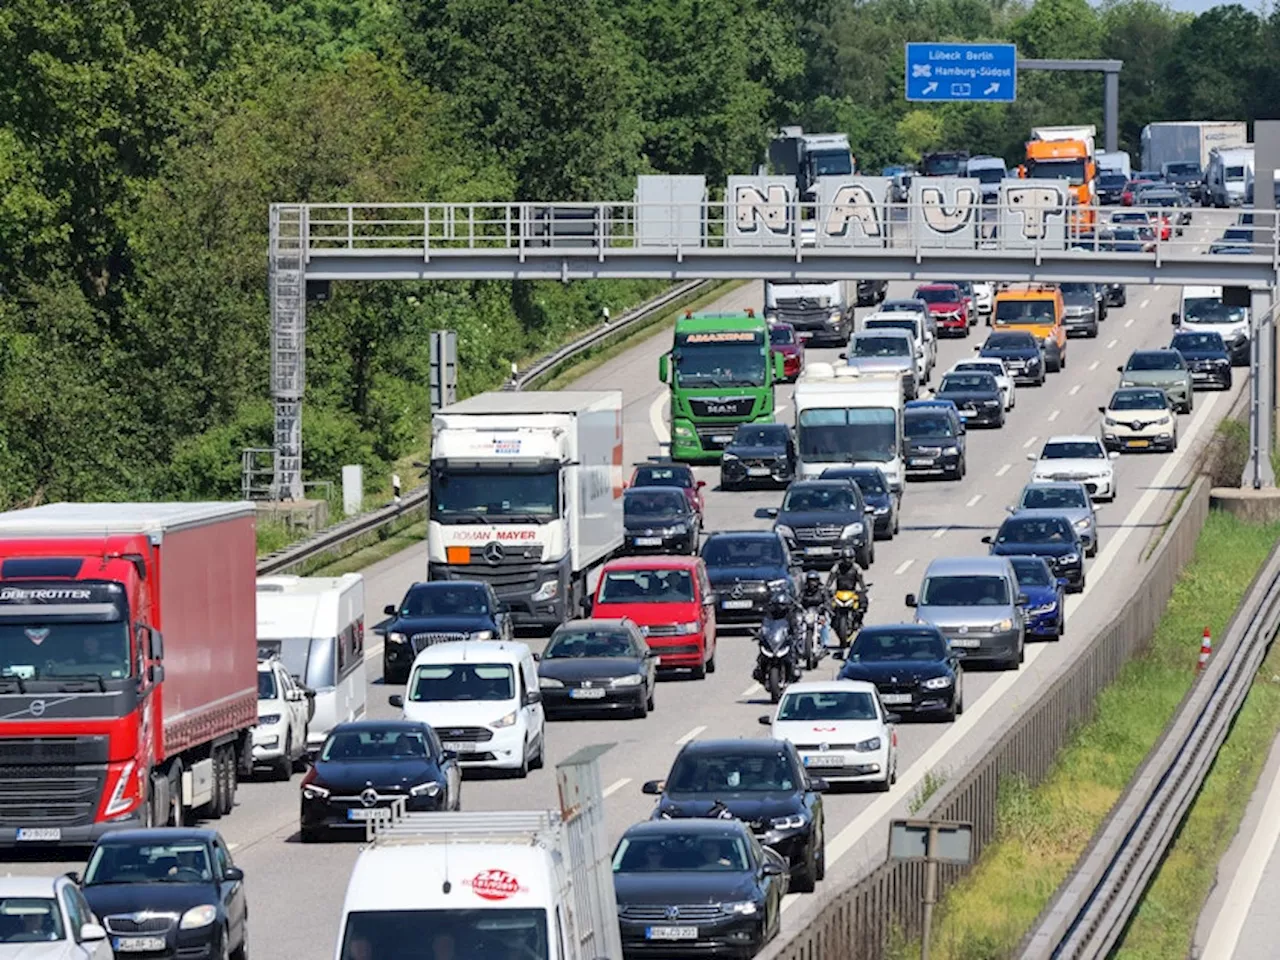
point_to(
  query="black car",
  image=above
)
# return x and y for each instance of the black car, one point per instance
(1022, 355)
(366, 765)
(976, 395)
(1084, 308)
(876, 494)
(871, 292)
(1206, 356)
(824, 521)
(743, 567)
(760, 782)
(703, 888)
(1114, 295)
(430, 613)
(169, 892)
(913, 667)
(592, 666)
(758, 452)
(659, 520)
(1168, 199)
(935, 442)
(1039, 535)
(1110, 187)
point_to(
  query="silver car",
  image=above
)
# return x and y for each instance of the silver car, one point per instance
(1160, 368)
(885, 351)
(976, 604)
(1064, 498)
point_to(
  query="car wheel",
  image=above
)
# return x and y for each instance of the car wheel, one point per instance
(896, 525)
(820, 856)
(242, 952)
(1062, 625)
(283, 768)
(225, 952)
(959, 701)
(648, 703)
(539, 758)
(1092, 551)
(807, 880)
(882, 786)
(311, 834)
(700, 672)
(522, 771)
(1022, 652)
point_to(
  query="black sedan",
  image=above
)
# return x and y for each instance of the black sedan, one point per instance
(976, 395)
(741, 567)
(366, 765)
(659, 520)
(1207, 358)
(758, 453)
(437, 612)
(1021, 353)
(876, 494)
(169, 892)
(590, 666)
(1114, 295)
(1042, 533)
(912, 666)
(761, 782)
(696, 888)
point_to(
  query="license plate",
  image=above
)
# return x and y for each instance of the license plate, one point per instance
(137, 944)
(1199, 375)
(461, 747)
(759, 472)
(737, 604)
(586, 694)
(722, 438)
(648, 541)
(892, 698)
(921, 461)
(967, 411)
(965, 642)
(671, 933)
(367, 813)
(818, 551)
(824, 760)
(40, 833)
(1139, 443)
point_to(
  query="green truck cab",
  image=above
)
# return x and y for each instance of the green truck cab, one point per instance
(721, 371)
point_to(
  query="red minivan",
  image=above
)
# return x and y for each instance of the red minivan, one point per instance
(670, 599)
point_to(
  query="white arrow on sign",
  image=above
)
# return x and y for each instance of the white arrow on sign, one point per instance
(994, 88)
(929, 88)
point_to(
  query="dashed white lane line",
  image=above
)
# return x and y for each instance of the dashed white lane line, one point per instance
(973, 501)
(1128, 323)
(1142, 306)
(751, 691)
(691, 735)
(1054, 415)
(1093, 366)
(658, 422)
(1031, 442)
(373, 651)
(233, 847)
(940, 533)
(1112, 343)
(1005, 469)
(903, 567)
(614, 787)
(1074, 390)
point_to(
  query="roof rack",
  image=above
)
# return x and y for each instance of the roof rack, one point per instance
(392, 826)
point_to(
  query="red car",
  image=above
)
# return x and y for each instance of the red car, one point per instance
(949, 306)
(783, 340)
(659, 474)
(670, 599)
(1130, 189)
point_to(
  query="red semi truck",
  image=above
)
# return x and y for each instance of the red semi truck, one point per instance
(128, 665)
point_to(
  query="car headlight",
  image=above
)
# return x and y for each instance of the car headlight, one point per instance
(852, 530)
(549, 683)
(881, 511)
(506, 721)
(728, 456)
(948, 451)
(313, 791)
(428, 789)
(866, 746)
(269, 720)
(785, 531)
(793, 822)
(547, 590)
(630, 680)
(1004, 625)
(1082, 523)
(677, 529)
(1165, 419)
(743, 908)
(778, 584)
(1041, 611)
(937, 683)
(690, 626)
(198, 917)
(835, 317)
(1071, 558)
(397, 638)
(482, 635)
(1110, 423)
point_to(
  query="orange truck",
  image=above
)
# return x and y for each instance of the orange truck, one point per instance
(1066, 153)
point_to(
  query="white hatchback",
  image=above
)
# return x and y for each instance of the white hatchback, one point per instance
(841, 731)
(48, 918)
(994, 366)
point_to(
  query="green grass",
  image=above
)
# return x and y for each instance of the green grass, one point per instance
(273, 535)
(1043, 830)
(388, 546)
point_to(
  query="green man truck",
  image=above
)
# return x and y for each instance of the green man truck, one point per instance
(721, 373)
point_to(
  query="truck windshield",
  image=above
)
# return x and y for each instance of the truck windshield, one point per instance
(1177, 169)
(831, 163)
(988, 174)
(491, 933)
(47, 651)
(1235, 173)
(1210, 310)
(944, 165)
(493, 495)
(1024, 311)
(310, 659)
(1072, 170)
(848, 435)
(737, 359)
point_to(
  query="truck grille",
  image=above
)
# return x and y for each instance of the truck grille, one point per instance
(825, 532)
(740, 407)
(511, 555)
(506, 578)
(464, 734)
(38, 795)
(129, 924)
(661, 630)
(802, 311)
(421, 641)
(685, 912)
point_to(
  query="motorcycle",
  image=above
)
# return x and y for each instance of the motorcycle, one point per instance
(813, 630)
(849, 609)
(775, 661)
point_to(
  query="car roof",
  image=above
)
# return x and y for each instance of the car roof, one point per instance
(938, 286)
(439, 585)
(1028, 558)
(986, 564)
(657, 562)
(355, 726)
(1056, 484)
(465, 651)
(669, 492)
(712, 827)
(831, 686)
(820, 482)
(34, 887)
(874, 628)
(741, 535)
(594, 623)
(159, 835)
(1074, 438)
(1157, 351)
(665, 465)
(726, 745)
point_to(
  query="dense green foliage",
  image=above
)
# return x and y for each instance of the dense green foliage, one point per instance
(141, 142)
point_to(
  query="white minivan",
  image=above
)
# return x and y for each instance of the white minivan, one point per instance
(315, 626)
(925, 344)
(482, 698)
(1206, 310)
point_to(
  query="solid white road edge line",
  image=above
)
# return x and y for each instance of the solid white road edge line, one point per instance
(657, 419)
(946, 744)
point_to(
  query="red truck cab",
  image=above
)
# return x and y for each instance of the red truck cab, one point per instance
(670, 599)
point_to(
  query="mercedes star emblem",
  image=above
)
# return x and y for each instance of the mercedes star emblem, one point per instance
(493, 553)
(963, 630)
(586, 684)
(737, 590)
(369, 797)
(824, 747)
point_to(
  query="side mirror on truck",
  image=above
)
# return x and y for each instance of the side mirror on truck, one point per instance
(664, 367)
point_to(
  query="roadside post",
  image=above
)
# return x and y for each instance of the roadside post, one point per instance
(934, 842)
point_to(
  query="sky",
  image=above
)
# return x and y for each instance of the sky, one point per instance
(1200, 6)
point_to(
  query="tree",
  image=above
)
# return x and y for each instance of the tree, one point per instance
(1216, 66)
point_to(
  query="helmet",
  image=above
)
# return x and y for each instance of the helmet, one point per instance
(779, 601)
(812, 578)
(844, 563)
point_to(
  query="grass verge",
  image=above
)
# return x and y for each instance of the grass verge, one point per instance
(1043, 830)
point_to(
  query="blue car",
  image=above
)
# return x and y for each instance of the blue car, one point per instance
(1043, 535)
(1046, 608)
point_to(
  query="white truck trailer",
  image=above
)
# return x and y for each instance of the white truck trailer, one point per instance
(526, 494)
(846, 417)
(1189, 141)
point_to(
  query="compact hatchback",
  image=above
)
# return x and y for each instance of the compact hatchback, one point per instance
(48, 918)
(976, 604)
(840, 729)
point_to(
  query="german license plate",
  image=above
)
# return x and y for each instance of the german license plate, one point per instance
(40, 833)
(671, 933)
(737, 604)
(824, 760)
(648, 541)
(1139, 443)
(722, 438)
(137, 944)
(889, 699)
(759, 472)
(818, 551)
(364, 813)
(461, 747)
(922, 461)
(966, 642)
(968, 411)
(586, 694)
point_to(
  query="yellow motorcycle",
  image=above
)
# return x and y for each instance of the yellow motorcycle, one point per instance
(848, 610)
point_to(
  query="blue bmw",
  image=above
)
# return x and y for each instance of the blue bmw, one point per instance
(1046, 609)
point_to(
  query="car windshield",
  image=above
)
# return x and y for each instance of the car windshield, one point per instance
(848, 435)
(1153, 360)
(350, 746)
(751, 771)
(48, 649)
(864, 345)
(743, 552)
(663, 477)
(1180, 169)
(574, 643)
(1034, 530)
(493, 932)
(176, 861)
(638, 502)
(681, 852)
(898, 645)
(908, 325)
(1010, 341)
(266, 685)
(870, 482)
(1137, 400)
(965, 590)
(760, 435)
(1024, 311)
(815, 499)
(927, 427)
(1238, 234)
(1032, 572)
(1073, 450)
(1078, 293)
(782, 335)
(30, 920)
(938, 294)
(452, 682)
(819, 705)
(967, 382)
(646, 586)
(445, 600)
(1054, 498)
(1198, 341)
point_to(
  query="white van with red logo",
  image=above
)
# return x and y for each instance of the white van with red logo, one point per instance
(488, 884)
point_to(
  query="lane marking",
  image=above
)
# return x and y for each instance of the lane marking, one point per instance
(1030, 443)
(1054, 416)
(233, 846)
(1005, 469)
(692, 734)
(903, 567)
(1142, 306)
(1093, 366)
(751, 691)
(374, 651)
(973, 501)
(778, 408)
(1128, 323)
(614, 787)
(1074, 390)
(1112, 344)
(658, 422)
(940, 533)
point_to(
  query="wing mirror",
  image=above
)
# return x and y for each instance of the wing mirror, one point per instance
(531, 698)
(1023, 599)
(1062, 581)
(1119, 369)
(771, 512)
(1032, 457)
(396, 700)
(771, 869)
(893, 718)
(959, 654)
(92, 933)
(653, 787)
(987, 538)
(1174, 319)
(765, 720)
(818, 785)
(1113, 455)
(844, 356)
(447, 755)
(1102, 409)
(390, 610)
(587, 604)
(233, 874)
(910, 600)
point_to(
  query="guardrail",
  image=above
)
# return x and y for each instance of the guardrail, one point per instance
(1091, 910)
(340, 534)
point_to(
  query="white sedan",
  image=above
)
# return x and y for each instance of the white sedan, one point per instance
(841, 731)
(984, 295)
(994, 366)
(1082, 458)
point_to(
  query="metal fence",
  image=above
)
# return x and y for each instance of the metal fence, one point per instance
(859, 920)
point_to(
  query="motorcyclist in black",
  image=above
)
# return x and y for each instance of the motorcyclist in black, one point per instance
(814, 595)
(845, 575)
(783, 606)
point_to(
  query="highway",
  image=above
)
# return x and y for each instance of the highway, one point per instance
(296, 892)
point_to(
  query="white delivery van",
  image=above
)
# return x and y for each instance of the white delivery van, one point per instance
(1205, 310)
(1228, 172)
(537, 885)
(848, 418)
(315, 626)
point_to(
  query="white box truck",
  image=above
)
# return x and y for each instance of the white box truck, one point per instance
(1189, 141)
(1228, 172)
(526, 494)
(843, 417)
(536, 885)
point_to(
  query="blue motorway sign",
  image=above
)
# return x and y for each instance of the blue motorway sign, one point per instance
(984, 72)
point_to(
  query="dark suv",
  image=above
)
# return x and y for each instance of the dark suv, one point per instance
(824, 521)
(434, 613)
(935, 443)
(741, 565)
(1084, 307)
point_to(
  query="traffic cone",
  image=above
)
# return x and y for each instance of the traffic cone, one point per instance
(1206, 648)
